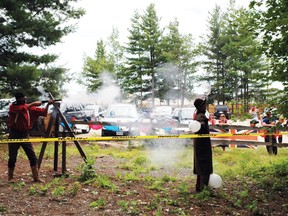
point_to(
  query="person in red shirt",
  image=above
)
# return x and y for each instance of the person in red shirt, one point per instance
(21, 119)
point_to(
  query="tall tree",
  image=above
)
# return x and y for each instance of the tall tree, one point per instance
(133, 76)
(115, 51)
(271, 18)
(93, 67)
(244, 58)
(179, 52)
(151, 45)
(143, 53)
(215, 58)
(29, 24)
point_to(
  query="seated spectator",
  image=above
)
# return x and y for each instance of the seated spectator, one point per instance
(212, 120)
(223, 120)
(255, 116)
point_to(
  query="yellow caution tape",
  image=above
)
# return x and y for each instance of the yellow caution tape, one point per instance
(181, 136)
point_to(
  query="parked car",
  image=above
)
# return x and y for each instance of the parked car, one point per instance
(4, 118)
(76, 111)
(4, 102)
(219, 109)
(122, 120)
(98, 110)
(146, 112)
(184, 116)
(161, 111)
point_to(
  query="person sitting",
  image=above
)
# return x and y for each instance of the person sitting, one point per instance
(254, 112)
(223, 120)
(212, 120)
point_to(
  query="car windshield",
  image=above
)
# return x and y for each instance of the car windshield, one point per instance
(122, 111)
(70, 107)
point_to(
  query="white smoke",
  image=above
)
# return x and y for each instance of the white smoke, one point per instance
(108, 93)
(166, 152)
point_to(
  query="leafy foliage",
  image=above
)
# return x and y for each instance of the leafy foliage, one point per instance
(87, 171)
(23, 26)
(234, 59)
(271, 19)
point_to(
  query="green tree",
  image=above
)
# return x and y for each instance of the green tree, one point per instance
(29, 24)
(143, 54)
(115, 51)
(133, 76)
(94, 67)
(179, 52)
(108, 59)
(152, 48)
(235, 63)
(214, 62)
(271, 18)
(244, 62)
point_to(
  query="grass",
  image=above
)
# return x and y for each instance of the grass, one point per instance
(248, 168)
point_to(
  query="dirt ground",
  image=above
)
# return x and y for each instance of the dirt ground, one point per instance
(131, 197)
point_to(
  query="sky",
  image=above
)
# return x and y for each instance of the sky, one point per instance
(101, 16)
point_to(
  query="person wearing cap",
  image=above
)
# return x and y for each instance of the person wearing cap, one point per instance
(270, 122)
(21, 119)
(202, 148)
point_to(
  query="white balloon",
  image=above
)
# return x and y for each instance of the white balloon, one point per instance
(194, 126)
(215, 181)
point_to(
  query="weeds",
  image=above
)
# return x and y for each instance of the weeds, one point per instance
(18, 186)
(3, 209)
(104, 182)
(99, 203)
(87, 171)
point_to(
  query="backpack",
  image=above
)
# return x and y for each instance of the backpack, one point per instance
(19, 117)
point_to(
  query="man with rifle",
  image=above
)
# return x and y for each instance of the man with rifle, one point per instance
(21, 119)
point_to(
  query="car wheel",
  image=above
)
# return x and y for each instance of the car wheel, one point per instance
(3, 127)
(61, 128)
(86, 130)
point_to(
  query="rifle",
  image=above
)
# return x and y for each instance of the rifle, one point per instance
(46, 101)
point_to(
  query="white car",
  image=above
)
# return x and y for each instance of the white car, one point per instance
(185, 115)
(98, 110)
(161, 111)
(122, 120)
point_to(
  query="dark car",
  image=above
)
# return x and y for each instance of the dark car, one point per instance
(121, 120)
(4, 119)
(219, 109)
(76, 111)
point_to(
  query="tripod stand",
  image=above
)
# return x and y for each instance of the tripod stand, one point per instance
(53, 124)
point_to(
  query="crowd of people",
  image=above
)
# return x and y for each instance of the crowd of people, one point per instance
(272, 125)
(266, 119)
